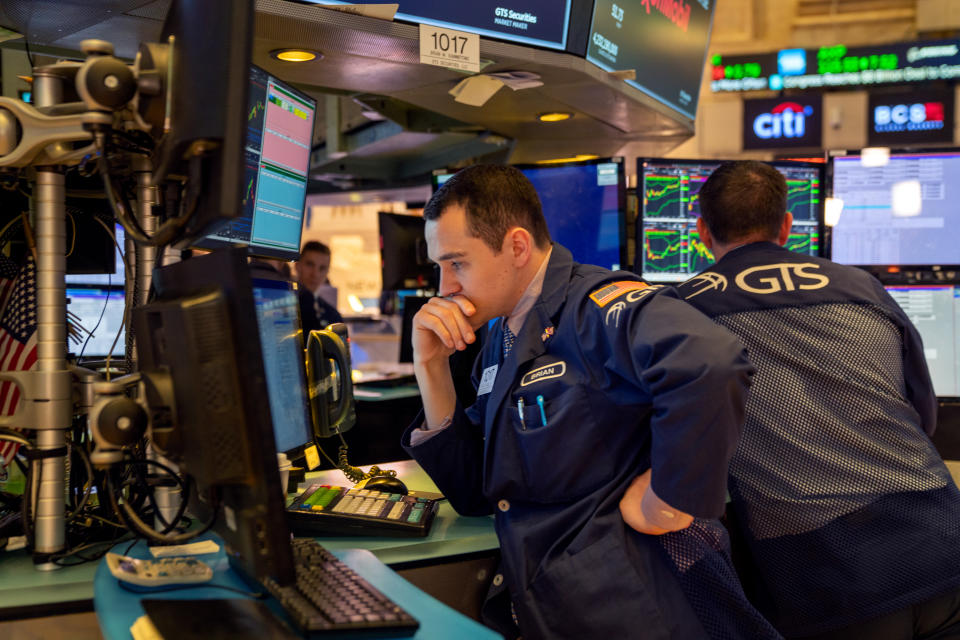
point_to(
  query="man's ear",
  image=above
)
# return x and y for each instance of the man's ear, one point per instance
(519, 243)
(785, 229)
(704, 232)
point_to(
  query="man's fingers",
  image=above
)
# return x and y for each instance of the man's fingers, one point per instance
(452, 312)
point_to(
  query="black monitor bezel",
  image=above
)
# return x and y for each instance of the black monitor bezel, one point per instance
(899, 273)
(428, 269)
(208, 242)
(228, 272)
(620, 161)
(638, 229)
(279, 284)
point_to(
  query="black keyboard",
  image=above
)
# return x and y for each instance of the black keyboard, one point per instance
(329, 599)
(325, 510)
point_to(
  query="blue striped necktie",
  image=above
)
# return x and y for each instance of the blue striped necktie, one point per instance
(508, 339)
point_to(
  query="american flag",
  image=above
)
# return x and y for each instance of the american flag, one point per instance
(18, 335)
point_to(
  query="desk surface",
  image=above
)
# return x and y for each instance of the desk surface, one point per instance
(117, 609)
(451, 535)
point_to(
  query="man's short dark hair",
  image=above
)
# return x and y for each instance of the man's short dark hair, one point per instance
(314, 245)
(742, 199)
(495, 198)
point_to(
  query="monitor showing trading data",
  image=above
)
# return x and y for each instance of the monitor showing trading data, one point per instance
(99, 313)
(902, 213)
(277, 309)
(668, 245)
(277, 159)
(935, 312)
(584, 204)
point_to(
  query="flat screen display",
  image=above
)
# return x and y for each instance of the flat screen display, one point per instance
(903, 212)
(668, 244)
(99, 311)
(543, 23)
(935, 311)
(278, 319)
(651, 37)
(584, 204)
(115, 279)
(276, 159)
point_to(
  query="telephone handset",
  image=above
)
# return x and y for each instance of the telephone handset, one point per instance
(329, 382)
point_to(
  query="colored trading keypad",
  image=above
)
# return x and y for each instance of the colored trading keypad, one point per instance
(324, 509)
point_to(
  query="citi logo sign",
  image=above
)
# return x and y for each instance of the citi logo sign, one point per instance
(921, 116)
(786, 120)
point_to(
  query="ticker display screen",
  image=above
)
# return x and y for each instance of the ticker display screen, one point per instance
(539, 22)
(669, 248)
(651, 38)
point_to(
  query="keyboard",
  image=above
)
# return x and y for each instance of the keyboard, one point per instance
(324, 510)
(330, 599)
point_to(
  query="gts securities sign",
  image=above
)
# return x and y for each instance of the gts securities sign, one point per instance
(782, 122)
(917, 117)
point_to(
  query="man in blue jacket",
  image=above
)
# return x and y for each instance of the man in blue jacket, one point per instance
(606, 412)
(849, 515)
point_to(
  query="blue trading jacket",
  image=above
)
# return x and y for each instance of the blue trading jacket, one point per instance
(846, 507)
(629, 376)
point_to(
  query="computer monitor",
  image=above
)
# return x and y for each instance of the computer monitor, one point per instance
(585, 207)
(897, 212)
(117, 276)
(935, 312)
(668, 245)
(584, 204)
(199, 115)
(277, 307)
(276, 166)
(201, 358)
(403, 253)
(100, 311)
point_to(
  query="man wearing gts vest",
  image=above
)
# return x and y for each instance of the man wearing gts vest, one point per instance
(850, 519)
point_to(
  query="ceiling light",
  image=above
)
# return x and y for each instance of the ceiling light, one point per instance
(577, 158)
(296, 55)
(875, 156)
(555, 116)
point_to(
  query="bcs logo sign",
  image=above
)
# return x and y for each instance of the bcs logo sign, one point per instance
(772, 124)
(917, 117)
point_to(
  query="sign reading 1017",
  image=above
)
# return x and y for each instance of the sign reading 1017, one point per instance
(449, 48)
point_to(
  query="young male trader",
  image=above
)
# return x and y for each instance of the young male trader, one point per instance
(312, 269)
(606, 411)
(849, 515)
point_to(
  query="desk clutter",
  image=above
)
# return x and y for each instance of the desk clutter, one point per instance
(324, 509)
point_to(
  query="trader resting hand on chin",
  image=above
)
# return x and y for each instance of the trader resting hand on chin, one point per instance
(606, 409)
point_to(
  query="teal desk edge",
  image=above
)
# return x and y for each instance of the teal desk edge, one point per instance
(117, 609)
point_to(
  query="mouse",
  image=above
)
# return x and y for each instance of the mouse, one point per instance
(389, 484)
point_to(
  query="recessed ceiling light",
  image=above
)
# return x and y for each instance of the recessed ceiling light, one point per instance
(580, 157)
(296, 55)
(555, 116)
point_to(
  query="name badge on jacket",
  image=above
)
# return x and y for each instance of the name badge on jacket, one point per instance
(487, 380)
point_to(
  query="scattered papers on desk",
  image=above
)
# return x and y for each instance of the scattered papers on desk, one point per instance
(143, 629)
(192, 549)
(381, 11)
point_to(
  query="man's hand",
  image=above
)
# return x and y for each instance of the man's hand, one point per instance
(441, 327)
(647, 513)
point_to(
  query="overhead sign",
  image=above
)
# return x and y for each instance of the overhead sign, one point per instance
(782, 123)
(664, 41)
(837, 66)
(543, 23)
(910, 118)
